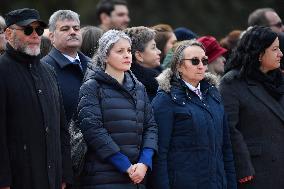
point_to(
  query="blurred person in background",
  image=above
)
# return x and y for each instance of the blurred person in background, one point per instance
(253, 93)
(90, 38)
(266, 17)
(194, 151)
(112, 14)
(215, 53)
(181, 34)
(146, 57)
(45, 46)
(230, 41)
(165, 38)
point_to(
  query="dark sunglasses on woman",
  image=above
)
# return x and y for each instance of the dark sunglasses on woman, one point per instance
(196, 61)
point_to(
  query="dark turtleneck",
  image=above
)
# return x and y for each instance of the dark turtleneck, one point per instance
(147, 77)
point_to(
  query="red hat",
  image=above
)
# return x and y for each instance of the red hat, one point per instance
(212, 48)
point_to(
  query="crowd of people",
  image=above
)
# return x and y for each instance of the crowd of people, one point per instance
(155, 107)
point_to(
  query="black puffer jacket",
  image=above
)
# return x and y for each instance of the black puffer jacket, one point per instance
(113, 118)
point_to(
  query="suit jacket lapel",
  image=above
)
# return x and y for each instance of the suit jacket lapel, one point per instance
(59, 58)
(258, 91)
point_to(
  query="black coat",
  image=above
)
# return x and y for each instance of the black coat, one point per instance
(69, 77)
(147, 76)
(256, 120)
(113, 118)
(34, 139)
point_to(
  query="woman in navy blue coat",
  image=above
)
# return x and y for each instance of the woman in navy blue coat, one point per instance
(116, 119)
(194, 143)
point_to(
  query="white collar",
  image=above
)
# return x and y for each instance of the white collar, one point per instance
(71, 59)
(191, 87)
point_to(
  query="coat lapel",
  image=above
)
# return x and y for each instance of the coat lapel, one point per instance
(62, 61)
(277, 107)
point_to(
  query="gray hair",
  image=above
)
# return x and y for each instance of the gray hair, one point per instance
(258, 17)
(178, 54)
(140, 36)
(62, 15)
(2, 23)
(106, 43)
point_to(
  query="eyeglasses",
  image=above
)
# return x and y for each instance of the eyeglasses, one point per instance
(28, 30)
(196, 61)
(278, 24)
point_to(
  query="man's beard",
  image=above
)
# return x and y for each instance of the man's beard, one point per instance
(24, 48)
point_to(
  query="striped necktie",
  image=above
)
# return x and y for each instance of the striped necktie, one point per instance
(198, 92)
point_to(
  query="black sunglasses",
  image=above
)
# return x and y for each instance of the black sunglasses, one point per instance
(196, 61)
(278, 24)
(28, 30)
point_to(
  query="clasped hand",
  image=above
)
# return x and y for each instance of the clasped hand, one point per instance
(137, 172)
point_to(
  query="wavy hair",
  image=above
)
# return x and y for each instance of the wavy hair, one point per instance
(253, 43)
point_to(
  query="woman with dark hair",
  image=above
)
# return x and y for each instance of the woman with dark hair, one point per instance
(145, 56)
(194, 144)
(253, 92)
(116, 119)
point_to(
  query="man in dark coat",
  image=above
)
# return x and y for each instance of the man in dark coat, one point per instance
(34, 139)
(70, 64)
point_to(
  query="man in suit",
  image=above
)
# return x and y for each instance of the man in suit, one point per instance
(69, 64)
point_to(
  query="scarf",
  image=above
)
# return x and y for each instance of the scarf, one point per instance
(272, 81)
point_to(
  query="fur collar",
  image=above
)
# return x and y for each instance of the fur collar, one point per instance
(164, 79)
